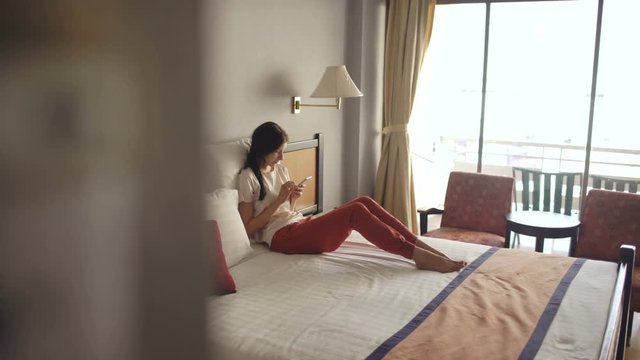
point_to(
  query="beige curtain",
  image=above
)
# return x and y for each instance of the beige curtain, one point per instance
(409, 27)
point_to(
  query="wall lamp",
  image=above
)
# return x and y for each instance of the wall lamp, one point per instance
(335, 83)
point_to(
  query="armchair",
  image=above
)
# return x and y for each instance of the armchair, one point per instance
(610, 219)
(474, 209)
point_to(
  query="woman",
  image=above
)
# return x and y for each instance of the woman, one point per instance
(267, 200)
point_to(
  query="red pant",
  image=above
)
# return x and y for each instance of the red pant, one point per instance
(327, 232)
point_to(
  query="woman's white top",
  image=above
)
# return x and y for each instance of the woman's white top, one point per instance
(249, 191)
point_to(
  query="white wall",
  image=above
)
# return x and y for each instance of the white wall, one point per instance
(258, 54)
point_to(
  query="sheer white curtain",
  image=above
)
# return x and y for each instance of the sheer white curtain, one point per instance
(408, 31)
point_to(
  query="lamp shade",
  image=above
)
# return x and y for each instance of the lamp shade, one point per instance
(336, 83)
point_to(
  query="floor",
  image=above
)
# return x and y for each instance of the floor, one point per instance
(561, 247)
(551, 246)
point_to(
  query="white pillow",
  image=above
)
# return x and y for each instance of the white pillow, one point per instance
(222, 206)
(223, 162)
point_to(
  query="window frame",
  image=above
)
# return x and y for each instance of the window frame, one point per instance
(587, 160)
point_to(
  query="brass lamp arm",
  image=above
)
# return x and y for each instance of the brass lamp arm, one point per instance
(296, 104)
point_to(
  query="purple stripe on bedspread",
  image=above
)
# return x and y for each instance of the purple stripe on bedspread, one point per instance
(394, 340)
(535, 341)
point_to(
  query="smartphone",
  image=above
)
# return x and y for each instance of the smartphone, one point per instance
(304, 181)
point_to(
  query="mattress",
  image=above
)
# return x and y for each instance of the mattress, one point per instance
(344, 304)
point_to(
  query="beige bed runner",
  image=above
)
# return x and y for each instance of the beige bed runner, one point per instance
(499, 307)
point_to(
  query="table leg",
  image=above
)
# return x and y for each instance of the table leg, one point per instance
(539, 243)
(572, 245)
(507, 238)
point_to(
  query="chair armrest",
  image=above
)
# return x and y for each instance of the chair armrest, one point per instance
(430, 211)
(424, 212)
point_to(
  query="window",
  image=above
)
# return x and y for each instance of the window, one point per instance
(445, 120)
(616, 123)
(537, 97)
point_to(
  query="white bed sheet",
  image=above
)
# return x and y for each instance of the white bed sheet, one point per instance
(343, 305)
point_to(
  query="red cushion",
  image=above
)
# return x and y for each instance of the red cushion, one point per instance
(221, 281)
(470, 236)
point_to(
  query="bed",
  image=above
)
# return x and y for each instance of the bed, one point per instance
(362, 303)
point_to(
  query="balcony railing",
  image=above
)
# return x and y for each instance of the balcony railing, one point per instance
(499, 156)
(615, 162)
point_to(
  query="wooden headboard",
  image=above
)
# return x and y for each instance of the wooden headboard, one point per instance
(304, 158)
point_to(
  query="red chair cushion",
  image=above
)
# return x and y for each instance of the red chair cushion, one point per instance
(465, 235)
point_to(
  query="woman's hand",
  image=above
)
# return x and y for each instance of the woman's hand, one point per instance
(296, 193)
(285, 191)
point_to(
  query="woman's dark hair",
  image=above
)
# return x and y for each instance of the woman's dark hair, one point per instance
(266, 139)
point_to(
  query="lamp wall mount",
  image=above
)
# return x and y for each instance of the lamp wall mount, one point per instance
(296, 104)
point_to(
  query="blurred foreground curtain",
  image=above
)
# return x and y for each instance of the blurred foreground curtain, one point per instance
(408, 31)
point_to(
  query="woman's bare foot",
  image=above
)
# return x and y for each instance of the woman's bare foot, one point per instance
(426, 260)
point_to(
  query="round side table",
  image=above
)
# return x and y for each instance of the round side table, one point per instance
(542, 225)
